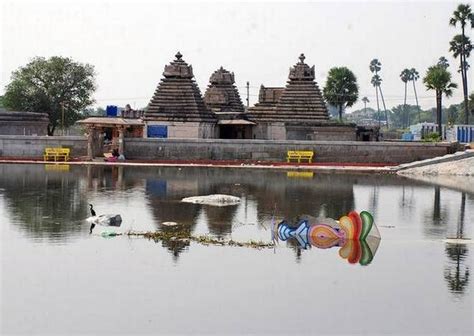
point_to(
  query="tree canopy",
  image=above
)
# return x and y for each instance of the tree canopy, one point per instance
(462, 15)
(438, 78)
(341, 88)
(57, 86)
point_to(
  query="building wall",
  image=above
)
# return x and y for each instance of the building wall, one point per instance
(283, 131)
(187, 130)
(317, 133)
(23, 128)
(269, 131)
(33, 146)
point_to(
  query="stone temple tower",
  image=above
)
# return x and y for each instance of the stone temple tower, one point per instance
(177, 109)
(301, 100)
(223, 99)
(221, 95)
(296, 112)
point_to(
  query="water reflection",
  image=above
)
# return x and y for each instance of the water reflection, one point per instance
(47, 203)
(456, 272)
(44, 203)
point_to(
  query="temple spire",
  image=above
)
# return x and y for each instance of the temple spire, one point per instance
(177, 97)
(302, 58)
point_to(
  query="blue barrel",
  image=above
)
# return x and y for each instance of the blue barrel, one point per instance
(111, 110)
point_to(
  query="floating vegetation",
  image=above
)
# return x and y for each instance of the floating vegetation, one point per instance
(185, 237)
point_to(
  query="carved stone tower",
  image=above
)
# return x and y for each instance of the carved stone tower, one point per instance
(178, 104)
(301, 100)
(221, 94)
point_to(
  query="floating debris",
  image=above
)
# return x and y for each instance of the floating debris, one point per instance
(107, 234)
(455, 240)
(183, 236)
(216, 200)
(169, 223)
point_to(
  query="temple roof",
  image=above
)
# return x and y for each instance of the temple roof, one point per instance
(221, 94)
(111, 121)
(177, 96)
(300, 101)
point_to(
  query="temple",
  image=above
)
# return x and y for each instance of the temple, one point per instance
(177, 109)
(223, 100)
(296, 112)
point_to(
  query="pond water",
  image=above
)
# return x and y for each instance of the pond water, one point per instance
(56, 278)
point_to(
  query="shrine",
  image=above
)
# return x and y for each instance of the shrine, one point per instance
(296, 112)
(223, 100)
(177, 109)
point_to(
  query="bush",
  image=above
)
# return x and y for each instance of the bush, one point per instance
(431, 137)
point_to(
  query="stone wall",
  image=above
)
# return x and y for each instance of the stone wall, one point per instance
(318, 133)
(33, 146)
(23, 123)
(264, 150)
(245, 150)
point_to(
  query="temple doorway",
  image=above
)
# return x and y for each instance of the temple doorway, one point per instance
(235, 129)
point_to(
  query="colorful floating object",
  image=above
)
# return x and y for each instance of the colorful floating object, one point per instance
(356, 233)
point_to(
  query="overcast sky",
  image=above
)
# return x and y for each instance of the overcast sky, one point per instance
(129, 42)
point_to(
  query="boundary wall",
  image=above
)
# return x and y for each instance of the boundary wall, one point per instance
(238, 150)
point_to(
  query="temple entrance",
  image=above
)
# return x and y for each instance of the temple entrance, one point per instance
(235, 129)
(106, 134)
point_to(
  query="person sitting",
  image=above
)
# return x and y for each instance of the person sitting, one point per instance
(112, 157)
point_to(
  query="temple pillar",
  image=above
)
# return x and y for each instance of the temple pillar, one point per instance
(120, 140)
(100, 142)
(90, 137)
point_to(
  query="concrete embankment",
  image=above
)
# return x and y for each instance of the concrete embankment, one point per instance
(454, 171)
(459, 163)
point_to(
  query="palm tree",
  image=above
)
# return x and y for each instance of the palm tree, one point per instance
(443, 62)
(461, 46)
(414, 77)
(438, 78)
(365, 100)
(463, 15)
(375, 66)
(376, 81)
(405, 76)
(341, 88)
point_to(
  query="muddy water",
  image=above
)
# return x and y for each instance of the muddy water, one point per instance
(56, 278)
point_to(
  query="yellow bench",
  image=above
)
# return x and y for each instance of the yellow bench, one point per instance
(300, 155)
(56, 154)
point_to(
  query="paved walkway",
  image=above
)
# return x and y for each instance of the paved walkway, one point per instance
(320, 167)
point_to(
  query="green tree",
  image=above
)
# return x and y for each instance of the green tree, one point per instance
(414, 77)
(443, 62)
(375, 66)
(341, 88)
(438, 78)
(405, 76)
(57, 86)
(461, 46)
(365, 100)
